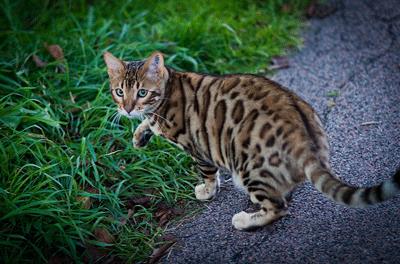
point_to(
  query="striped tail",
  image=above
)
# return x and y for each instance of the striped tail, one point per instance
(348, 195)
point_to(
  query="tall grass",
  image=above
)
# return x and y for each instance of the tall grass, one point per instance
(66, 160)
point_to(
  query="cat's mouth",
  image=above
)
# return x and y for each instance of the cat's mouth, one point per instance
(132, 115)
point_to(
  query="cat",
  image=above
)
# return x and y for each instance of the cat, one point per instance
(265, 135)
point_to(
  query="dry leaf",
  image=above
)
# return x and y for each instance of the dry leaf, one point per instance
(310, 12)
(167, 237)
(143, 201)
(95, 254)
(86, 201)
(73, 110)
(59, 259)
(320, 10)
(161, 251)
(103, 235)
(38, 61)
(286, 8)
(164, 213)
(124, 220)
(55, 51)
(279, 62)
(331, 103)
(164, 219)
(92, 190)
(72, 97)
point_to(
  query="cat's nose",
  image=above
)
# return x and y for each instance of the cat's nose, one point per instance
(128, 108)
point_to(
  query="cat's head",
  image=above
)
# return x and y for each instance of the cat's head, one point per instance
(137, 87)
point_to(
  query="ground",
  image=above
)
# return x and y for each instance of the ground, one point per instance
(349, 71)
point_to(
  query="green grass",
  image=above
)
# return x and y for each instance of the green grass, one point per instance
(60, 141)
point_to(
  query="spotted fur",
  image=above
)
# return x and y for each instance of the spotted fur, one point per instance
(265, 135)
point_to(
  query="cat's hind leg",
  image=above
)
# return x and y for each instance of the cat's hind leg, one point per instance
(208, 189)
(271, 210)
(272, 202)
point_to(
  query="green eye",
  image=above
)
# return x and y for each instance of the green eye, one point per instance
(142, 93)
(119, 92)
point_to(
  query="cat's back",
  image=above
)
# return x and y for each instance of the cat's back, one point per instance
(245, 93)
(262, 112)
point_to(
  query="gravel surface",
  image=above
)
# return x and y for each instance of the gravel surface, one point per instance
(355, 52)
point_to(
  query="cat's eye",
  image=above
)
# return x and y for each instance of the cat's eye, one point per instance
(142, 93)
(119, 92)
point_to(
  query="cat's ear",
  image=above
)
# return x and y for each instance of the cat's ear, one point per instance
(115, 66)
(154, 67)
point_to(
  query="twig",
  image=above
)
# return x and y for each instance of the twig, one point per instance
(370, 123)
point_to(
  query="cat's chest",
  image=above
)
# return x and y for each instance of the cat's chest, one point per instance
(159, 130)
(181, 140)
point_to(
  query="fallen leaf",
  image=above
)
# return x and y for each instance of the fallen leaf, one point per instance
(164, 219)
(320, 10)
(286, 8)
(310, 12)
(73, 110)
(58, 259)
(143, 201)
(92, 190)
(124, 220)
(103, 235)
(38, 61)
(178, 211)
(167, 237)
(161, 251)
(95, 254)
(55, 51)
(72, 97)
(86, 201)
(164, 213)
(279, 62)
(331, 103)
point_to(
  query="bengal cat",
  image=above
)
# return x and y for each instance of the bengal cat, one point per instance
(266, 136)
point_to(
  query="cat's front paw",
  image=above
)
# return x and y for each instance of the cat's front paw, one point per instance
(203, 192)
(140, 139)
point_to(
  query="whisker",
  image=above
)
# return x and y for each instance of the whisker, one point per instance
(142, 115)
(169, 122)
(113, 118)
(156, 123)
(116, 121)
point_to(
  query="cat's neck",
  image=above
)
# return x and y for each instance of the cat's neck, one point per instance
(176, 90)
(172, 113)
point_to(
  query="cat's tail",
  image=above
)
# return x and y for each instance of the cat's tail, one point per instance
(348, 195)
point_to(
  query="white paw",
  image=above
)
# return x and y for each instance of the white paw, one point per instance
(241, 220)
(134, 142)
(138, 142)
(203, 193)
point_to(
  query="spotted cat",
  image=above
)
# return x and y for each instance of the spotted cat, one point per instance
(265, 135)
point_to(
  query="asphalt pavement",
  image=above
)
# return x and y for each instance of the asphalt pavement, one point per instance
(349, 71)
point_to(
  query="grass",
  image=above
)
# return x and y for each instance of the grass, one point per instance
(68, 170)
